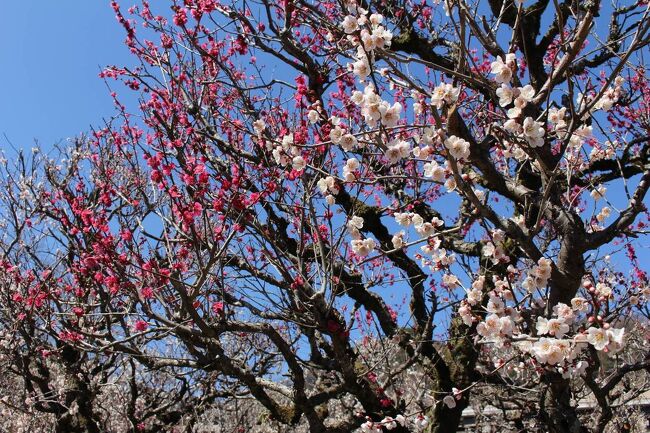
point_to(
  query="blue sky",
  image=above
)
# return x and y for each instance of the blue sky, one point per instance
(52, 52)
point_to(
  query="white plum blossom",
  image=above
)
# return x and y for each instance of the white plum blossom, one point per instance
(458, 148)
(349, 169)
(328, 184)
(551, 351)
(598, 193)
(425, 229)
(450, 184)
(356, 222)
(440, 258)
(361, 69)
(527, 93)
(521, 95)
(421, 422)
(336, 133)
(281, 157)
(450, 281)
(313, 116)
(495, 305)
(580, 368)
(354, 225)
(350, 24)
(579, 136)
(298, 162)
(538, 278)
(363, 247)
(348, 142)
(490, 326)
(405, 218)
(556, 115)
(557, 328)
(357, 97)
(398, 150)
(398, 240)
(579, 304)
(598, 338)
(322, 185)
(435, 171)
(616, 339)
(390, 116)
(603, 290)
(533, 132)
(371, 427)
(432, 136)
(474, 296)
(259, 125)
(374, 109)
(465, 313)
(512, 126)
(603, 214)
(444, 93)
(505, 94)
(379, 37)
(495, 252)
(389, 423)
(611, 95)
(564, 313)
(503, 70)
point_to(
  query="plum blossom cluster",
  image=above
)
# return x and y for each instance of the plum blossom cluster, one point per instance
(287, 153)
(370, 30)
(564, 352)
(533, 131)
(329, 187)
(368, 34)
(419, 422)
(350, 169)
(422, 227)
(503, 69)
(374, 109)
(610, 96)
(339, 135)
(518, 96)
(435, 171)
(530, 130)
(435, 258)
(363, 247)
(494, 247)
(354, 225)
(457, 147)
(444, 93)
(558, 340)
(433, 255)
(539, 275)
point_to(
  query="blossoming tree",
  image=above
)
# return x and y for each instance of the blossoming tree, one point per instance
(316, 200)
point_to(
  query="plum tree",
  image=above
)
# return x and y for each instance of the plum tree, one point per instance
(317, 201)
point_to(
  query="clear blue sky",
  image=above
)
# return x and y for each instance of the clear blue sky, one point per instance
(51, 53)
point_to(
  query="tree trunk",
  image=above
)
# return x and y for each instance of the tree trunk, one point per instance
(446, 420)
(557, 412)
(79, 417)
